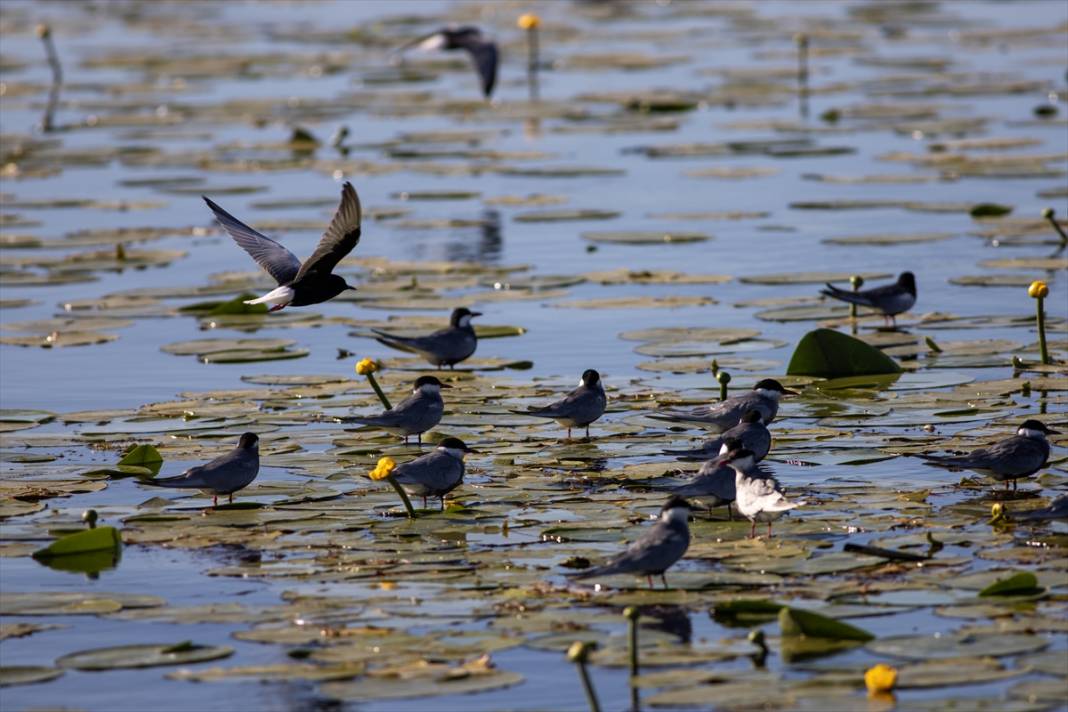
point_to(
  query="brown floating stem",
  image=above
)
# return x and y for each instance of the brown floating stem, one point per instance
(891, 554)
(1050, 215)
(802, 71)
(45, 33)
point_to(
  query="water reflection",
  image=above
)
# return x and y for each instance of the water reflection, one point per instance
(486, 249)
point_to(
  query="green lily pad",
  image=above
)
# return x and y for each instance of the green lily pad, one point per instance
(1021, 584)
(832, 354)
(566, 215)
(797, 622)
(636, 237)
(141, 656)
(989, 210)
(146, 456)
(956, 645)
(27, 674)
(90, 540)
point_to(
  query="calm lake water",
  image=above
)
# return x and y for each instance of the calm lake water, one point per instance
(895, 94)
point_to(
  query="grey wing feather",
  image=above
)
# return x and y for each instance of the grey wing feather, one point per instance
(400, 413)
(342, 235)
(275, 259)
(654, 551)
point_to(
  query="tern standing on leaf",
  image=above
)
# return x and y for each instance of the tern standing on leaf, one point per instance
(1022, 455)
(224, 475)
(414, 415)
(483, 52)
(889, 299)
(579, 408)
(435, 474)
(445, 347)
(656, 550)
(764, 399)
(312, 282)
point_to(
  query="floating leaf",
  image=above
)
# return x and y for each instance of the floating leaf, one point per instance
(1022, 584)
(146, 456)
(832, 354)
(90, 540)
(796, 622)
(141, 656)
(989, 210)
(27, 674)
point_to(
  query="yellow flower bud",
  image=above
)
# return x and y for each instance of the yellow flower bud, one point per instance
(880, 679)
(43, 31)
(1038, 290)
(528, 21)
(383, 468)
(366, 367)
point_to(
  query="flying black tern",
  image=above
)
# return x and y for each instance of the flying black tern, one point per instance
(445, 347)
(751, 433)
(656, 550)
(758, 499)
(224, 475)
(1021, 455)
(414, 415)
(579, 408)
(435, 474)
(483, 52)
(889, 299)
(312, 282)
(764, 398)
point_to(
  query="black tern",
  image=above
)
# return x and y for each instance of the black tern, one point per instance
(889, 299)
(225, 474)
(764, 398)
(414, 415)
(483, 52)
(579, 408)
(435, 474)
(656, 550)
(1022, 455)
(445, 347)
(312, 282)
(758, 499)
(751, 433)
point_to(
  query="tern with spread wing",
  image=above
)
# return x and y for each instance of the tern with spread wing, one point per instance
(483, 52)
(310, 282)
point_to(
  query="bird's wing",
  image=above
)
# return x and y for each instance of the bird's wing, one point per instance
(340, 237)
(194, 477)
(417, 344)
(484, 55)
(563, 407)
(657, 549)
(276, 260)
(861, 298)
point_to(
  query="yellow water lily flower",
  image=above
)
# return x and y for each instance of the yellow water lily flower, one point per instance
(528, 21)
(880, 678)
(366, 367)
(1038, 290)
(383, 469)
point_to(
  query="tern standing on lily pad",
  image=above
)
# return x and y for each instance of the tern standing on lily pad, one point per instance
(1022, 455)
(764, 399)
(758, 499)
(435, 474)
(312, 282)
(483, 52)
(414, 415)
(656, 550)
(224, 475)
(889, 299)
(579, 408)
(444, 347)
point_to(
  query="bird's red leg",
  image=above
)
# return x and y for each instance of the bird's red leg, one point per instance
(649, 579)
(231, 498)
(664, 579)
(424, 502)
(730, 513)
(769, 530)
(752, 530)
(214, 500)
(569, 433)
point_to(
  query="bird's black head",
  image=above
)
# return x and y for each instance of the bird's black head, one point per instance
(462, 316)
(1038, 426)
(770, 384)
(751, 416)
(907, 281)
(334, 285)
(429, 381)
(454, 444)
(675, 502)
(248, 441)
(738, 455)
(590, 377)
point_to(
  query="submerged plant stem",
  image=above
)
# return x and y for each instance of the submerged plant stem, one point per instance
(1040, 317)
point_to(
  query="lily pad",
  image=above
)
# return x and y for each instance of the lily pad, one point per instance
(141, 656)
(832, 354)
(27, 674)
